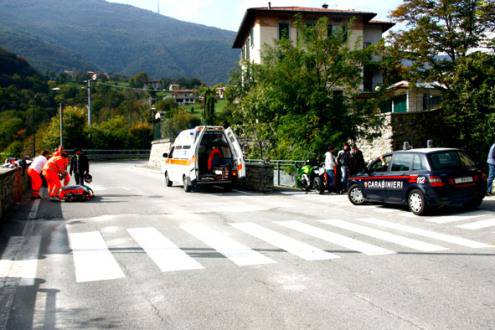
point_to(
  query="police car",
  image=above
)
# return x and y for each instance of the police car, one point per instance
(422, 179)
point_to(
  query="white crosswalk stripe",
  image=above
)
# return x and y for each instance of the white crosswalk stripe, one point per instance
(239, 254)
(302, 250)
(92, 259)
(166, 255)
(426, 233)
(385, 236)
(334, 238)
(452, 218)
(481, 224)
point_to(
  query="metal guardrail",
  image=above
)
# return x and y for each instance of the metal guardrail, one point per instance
(100, 154)
(283, 170)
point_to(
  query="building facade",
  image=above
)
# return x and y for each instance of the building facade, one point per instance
(264, 26)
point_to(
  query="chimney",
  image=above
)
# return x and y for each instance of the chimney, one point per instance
(325, 6)
(269, 5)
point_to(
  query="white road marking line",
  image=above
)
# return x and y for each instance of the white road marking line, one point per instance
(385, 236)
(426, 233)
(478, 224)
(239, 254)
(34, 209)
(451, 218)
(334, 238)
(302, 250)
(92, 259)
(25, 266)
(166, 255)
(13, 246)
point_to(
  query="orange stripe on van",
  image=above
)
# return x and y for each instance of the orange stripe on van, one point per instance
(179, 161)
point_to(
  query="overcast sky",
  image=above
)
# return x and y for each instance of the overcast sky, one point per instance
(227, 14)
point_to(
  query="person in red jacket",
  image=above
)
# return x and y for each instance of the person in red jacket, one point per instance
(34, 172)
(215, 158)
(54, 171)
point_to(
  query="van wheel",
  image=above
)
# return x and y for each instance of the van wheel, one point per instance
(416, 202)
(168, 183)
(187, 185)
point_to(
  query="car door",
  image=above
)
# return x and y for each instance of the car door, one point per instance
(400, 174)
(378, 170)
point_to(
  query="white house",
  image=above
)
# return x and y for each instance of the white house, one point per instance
(265, 25)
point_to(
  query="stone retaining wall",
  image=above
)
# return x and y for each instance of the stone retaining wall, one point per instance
(413, 127)
(13, 183)
(259, 177)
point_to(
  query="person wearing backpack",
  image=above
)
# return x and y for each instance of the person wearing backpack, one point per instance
(491, 170)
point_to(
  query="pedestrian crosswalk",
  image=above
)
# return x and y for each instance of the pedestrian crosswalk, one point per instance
(474, 220)
(93, 260)
(242, 244)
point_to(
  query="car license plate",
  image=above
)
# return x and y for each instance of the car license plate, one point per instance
(467, 179)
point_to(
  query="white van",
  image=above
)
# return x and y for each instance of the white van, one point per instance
(205, 155)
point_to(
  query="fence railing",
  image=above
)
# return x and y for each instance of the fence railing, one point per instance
(99, 154)
(283, 170)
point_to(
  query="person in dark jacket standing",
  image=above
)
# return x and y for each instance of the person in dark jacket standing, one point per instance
(344, 160)
(357, 164)
(491, 170)
(79, 165)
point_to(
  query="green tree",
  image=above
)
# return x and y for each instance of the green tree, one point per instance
(304, 96)
(210, 100)
(74, 134)
(470, 104)
(110, 134)
(140, 136)
(138, 80)
(440, 42)
(440, 34)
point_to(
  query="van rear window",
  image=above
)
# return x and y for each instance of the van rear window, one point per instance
(452, 159)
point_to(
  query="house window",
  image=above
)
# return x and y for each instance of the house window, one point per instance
(251, 37)
(386, 107)
(400, 104)
(329, 30)
(431, 102)
(283, 30)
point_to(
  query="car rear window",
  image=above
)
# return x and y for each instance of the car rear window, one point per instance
(453, 159)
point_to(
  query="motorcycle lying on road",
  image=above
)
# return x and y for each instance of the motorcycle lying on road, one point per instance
(311, 177)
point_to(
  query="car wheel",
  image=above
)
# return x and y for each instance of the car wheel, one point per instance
(187, 185)
(356, 196)
(416, 202)
(168, 183)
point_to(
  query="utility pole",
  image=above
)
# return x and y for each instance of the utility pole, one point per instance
(89, 102)
(33, 117)
(61, 109)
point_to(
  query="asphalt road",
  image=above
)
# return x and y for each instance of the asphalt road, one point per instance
(143, 256)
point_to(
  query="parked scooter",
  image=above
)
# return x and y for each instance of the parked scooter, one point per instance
(311, 177)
